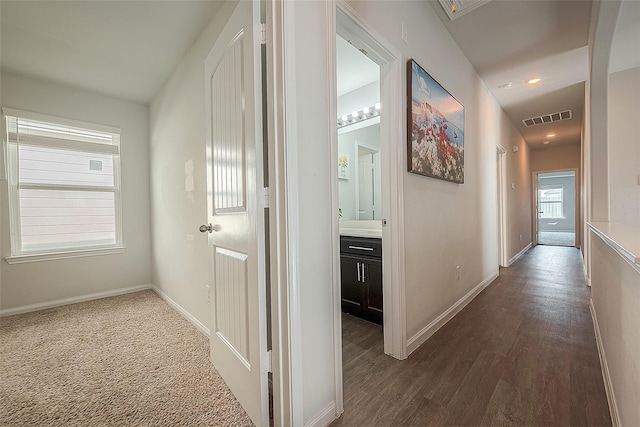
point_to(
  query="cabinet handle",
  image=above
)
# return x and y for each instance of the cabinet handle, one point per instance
(361, 248)
(363, 275)
(358, 272)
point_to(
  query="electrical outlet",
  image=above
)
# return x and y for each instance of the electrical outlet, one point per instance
(208, 293)
(457, 272)
(405, 34)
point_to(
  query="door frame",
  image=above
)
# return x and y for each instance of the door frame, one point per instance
(503, 217)
(392, 150)
(534, 203)
(286, 351)
(283, 239)
(345, 20)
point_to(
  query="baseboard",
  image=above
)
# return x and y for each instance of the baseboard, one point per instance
(324, 417)
(425, 333)
(519, 254)
(608, 386)
(195, 322)
(73, 300)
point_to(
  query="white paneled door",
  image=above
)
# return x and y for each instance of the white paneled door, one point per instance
(235, 217)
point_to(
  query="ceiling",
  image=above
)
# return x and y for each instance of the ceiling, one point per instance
(354, 69)
(128, 49)
(124, 49)
(514, 41)
(510, 42)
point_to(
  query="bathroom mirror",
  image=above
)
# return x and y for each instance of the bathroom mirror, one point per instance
(360, 181)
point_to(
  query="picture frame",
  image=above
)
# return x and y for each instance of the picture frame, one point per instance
(343, 167)
(435, 128)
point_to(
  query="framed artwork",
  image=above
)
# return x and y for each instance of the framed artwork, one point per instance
(343, 167)
(435, 128)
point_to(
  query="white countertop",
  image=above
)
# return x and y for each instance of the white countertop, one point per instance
(360, 228)
(624, 238)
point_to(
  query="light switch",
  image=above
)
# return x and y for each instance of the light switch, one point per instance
(513, 185)
(405, 34)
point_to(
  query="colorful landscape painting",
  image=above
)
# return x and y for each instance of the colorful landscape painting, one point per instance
(435, 128)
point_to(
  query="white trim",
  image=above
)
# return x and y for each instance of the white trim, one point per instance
(285, 380)
(72, 300)
(324, 417)
(577, 192)
(620, 238)
(177, 307)
(50, 256)
(425, 333)
(29, 115)
(334, 246)
(289, 231)
(503, 217)
(608, 385)
(519, 254)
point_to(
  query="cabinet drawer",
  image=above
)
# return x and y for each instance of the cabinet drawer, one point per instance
(362, 246)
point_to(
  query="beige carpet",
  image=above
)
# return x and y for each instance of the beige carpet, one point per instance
(129, 360)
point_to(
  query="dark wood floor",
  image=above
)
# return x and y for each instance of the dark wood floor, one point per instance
(523, 352)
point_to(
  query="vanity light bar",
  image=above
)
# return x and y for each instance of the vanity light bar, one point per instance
(359, 116)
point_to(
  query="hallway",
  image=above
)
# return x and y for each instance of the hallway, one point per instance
(523, 352)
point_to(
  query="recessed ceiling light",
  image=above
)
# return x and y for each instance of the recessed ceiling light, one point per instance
(506, 85)
(534, 81)
(545, 142)
(551, 135)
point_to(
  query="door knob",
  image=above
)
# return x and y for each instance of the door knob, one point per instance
(208, 227)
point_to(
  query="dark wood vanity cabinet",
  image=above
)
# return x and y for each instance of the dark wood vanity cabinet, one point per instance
(361, 277)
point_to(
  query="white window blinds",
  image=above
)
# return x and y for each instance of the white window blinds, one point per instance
(65, 184)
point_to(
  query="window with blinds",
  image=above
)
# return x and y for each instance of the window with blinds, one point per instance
(64, 183)
(550, 201)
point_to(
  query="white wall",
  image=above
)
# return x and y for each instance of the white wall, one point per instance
(365, 96)
(519, 199)
(178, 178)
(312, 190)
(46, 281)
(615, 294)
(624, 146)
(561, 157)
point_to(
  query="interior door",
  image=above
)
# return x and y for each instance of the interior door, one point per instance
(235, 221)
(365, 185)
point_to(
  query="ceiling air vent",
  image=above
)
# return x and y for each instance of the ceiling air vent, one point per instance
(548, 118)
(457, 8)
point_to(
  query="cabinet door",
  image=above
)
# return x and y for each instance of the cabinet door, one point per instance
(353, 295)
(373, 286)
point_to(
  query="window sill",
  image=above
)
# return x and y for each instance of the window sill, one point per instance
(21, 259)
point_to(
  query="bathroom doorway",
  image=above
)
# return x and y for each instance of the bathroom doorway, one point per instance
(359, 188)
(371, 135)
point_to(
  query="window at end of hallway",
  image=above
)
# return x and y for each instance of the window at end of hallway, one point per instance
(64, 186)
(550, 201)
